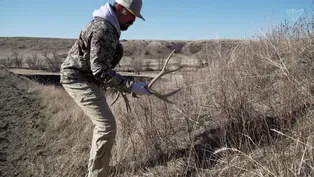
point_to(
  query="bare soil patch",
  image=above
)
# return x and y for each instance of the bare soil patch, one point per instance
(20, 128)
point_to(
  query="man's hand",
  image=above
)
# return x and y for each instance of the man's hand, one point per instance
(139, 88)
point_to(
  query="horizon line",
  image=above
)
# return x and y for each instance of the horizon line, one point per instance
(145, 39)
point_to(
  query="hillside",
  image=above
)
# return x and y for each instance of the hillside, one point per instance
(148, 48)
(21, 127)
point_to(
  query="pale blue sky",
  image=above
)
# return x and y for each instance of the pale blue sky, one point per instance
(165, 19)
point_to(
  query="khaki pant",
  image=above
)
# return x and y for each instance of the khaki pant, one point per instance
(92, 101)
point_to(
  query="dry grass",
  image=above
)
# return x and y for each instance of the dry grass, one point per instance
(249, 113)
(66, 139)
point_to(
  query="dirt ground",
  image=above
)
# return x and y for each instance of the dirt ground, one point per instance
(21, 117)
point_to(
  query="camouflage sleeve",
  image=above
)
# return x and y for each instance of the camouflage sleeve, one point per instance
(101, 56)
(117, 55)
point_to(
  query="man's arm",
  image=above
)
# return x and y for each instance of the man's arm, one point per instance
(101, 55)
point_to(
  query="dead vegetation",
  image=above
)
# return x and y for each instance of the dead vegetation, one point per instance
(248, 112)
(34, 62)
(139, 55)
(14, 60)
(49, 61)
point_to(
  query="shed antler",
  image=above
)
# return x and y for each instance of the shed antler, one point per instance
(163, 72)
(164, 97)
(127, 104)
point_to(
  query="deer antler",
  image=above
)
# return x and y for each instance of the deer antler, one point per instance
(164, 97)
(115, 99)
(127, 104)
(163, 72)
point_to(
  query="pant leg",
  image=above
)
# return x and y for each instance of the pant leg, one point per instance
(92, 101)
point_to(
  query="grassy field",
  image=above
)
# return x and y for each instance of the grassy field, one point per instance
(249, 112)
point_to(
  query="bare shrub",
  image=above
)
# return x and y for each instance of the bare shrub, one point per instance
(160, 62)
(53, 60)
(7, 62)
(17, 59)
(34, 62)
(300, 37)
(178, 61)
(147, 65)
(137, 61)
(203, 57)
(136, 65)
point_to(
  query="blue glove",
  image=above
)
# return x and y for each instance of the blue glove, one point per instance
(139, 88)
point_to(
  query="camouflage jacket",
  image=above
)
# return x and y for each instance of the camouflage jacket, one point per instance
(94, 55)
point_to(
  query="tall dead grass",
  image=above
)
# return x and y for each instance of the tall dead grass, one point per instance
(249, 113)
(239, 102)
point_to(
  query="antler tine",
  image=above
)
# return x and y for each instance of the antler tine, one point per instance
(165, 97)
(127, 104)
(115, 99)
(163, 72)
(167, 61)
